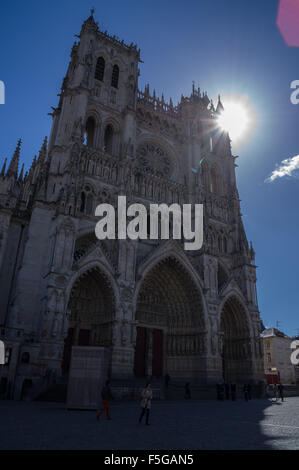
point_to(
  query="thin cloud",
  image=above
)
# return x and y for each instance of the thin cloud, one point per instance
(287, 168)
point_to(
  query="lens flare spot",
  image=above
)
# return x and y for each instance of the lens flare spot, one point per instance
(234, 119)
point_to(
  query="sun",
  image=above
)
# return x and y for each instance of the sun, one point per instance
(234, 119)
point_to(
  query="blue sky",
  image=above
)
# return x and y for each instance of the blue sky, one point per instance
(232, 47)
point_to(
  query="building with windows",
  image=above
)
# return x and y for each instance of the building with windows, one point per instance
(277, 357)
(157, 308)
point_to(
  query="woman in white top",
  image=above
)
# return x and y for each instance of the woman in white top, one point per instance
(146, 397)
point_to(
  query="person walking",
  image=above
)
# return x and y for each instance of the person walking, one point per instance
(187, 391)
(166, 385)
(146, 398)
(222, 391)
(275, 392)
(245, 390)
(226, 386)
(249, 391)
(218, 391)
(280, 391)
(233, 389)
(167, 380)
(106, 397)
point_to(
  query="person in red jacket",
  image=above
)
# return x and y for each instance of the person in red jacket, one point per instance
(106, 397)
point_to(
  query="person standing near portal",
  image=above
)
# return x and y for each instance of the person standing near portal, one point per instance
(106, 397)
(146, 397)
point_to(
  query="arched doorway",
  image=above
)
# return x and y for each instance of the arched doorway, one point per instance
(236, 347)
(91, 311)
(170, 332)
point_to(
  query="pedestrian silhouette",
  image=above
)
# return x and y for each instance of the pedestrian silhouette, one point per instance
(245, 391)
(218, 391)
(226, 387)
(275, 392)
(187, 390)
(249, 391)
(233, 389)
(106, 397)
(280, 391)
(146, 398)
(167, 380)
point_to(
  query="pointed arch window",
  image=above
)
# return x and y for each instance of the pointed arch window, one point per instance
(224, 244)
(83, 201)
(100, 69)
(115, 76)
(89, 204)
(90, 132)
(205, 175)
(214, 186)
(215, 181)
(220, 244)
(108, 139)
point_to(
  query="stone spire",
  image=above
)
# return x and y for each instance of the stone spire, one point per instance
(22, 173)
(252, 252)
(220, 107)
(43, 151)
(13, 168)
(90, 24)
(205, 99)
(3, 168)
(32, 168)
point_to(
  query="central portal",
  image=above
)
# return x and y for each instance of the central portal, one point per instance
(171, 328)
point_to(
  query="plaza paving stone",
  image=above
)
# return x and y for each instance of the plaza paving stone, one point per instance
(175, 425)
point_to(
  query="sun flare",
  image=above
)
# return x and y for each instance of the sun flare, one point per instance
(234, 119)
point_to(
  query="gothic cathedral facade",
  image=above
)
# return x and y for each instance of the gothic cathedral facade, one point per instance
(158, 309)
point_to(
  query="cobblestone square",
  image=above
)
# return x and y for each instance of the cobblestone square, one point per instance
(175, 425)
